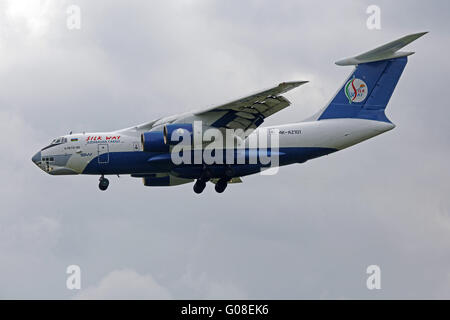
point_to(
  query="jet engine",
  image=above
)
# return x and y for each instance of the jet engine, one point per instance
(153, 141)
(175, 133)
(164, 181)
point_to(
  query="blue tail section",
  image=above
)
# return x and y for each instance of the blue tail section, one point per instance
(367, 91)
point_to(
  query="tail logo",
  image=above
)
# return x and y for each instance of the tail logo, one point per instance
(355, 90)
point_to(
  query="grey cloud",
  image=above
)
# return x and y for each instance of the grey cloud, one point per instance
(125, 283)
(308, 232)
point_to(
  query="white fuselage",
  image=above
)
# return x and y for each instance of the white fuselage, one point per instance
(80, 150)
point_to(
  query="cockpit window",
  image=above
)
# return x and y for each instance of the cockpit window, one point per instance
(56, 142)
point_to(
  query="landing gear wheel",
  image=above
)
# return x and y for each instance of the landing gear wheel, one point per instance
(221, 185)
(199, 186)
(103, 184)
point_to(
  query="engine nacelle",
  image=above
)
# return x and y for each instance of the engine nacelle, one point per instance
(164, 181)
(153, 141)
(174, 133)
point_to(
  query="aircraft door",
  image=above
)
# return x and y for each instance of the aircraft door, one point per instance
(103, 153)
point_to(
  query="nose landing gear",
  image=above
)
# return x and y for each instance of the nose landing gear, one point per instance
(103, 183)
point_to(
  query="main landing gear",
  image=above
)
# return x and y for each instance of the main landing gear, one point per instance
(103, 183)
(200, 184)
(221, 184)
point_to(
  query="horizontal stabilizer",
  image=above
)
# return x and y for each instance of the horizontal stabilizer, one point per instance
(385, 52)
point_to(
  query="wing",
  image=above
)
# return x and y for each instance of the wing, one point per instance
(248, 113)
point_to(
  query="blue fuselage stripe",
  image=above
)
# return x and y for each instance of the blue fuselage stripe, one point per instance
(138, 162)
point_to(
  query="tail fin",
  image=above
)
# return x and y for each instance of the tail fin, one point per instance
(367, 91)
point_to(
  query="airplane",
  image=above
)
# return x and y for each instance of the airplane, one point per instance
(355, 113)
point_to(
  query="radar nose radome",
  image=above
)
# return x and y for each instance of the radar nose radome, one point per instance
(36, 158)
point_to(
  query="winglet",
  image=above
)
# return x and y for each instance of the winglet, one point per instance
(286, 86)
(384, 52)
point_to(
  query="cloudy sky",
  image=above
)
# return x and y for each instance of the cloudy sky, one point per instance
(308, 232)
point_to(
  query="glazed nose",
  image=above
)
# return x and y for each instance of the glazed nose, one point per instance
(36, 158)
